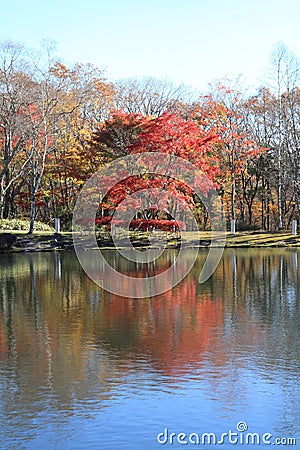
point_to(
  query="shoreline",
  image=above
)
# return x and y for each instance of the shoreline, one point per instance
(45, 241)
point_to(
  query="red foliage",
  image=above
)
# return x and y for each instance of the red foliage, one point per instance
(156, 224)
(171, 134)
(144, 224)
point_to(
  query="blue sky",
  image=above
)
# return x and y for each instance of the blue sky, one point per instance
(189, 41)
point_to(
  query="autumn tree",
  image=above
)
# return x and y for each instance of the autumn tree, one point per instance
(259, 110)
(84, 99)
(221, 112)
(15, 121)
(169, 134)
(284, 78)
(273, 116)
(113, 137)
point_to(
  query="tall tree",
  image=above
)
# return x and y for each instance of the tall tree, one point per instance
(284, 79)
(84, 99)
(15, 119)
(149, 96)
(221, 112)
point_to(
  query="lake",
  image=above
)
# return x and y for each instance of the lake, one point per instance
(214, 365)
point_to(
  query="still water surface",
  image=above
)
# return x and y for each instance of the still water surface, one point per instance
(83, 369)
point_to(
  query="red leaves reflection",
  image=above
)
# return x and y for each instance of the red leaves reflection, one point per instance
(174, 329)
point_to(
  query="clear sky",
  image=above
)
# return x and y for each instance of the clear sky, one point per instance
(189, 41)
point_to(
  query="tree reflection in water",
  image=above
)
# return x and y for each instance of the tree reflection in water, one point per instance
(64, 341)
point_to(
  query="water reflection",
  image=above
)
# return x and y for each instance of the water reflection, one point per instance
(234, 343)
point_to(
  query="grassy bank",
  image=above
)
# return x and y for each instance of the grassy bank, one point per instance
(254, 239)
(45, 241)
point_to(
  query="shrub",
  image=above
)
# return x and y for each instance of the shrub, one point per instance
(23, 225)
(242, 226)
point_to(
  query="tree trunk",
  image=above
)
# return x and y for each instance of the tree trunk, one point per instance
(32, 210)
(32, 218)
(232, 203)
(279, 203)
(1, 198)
